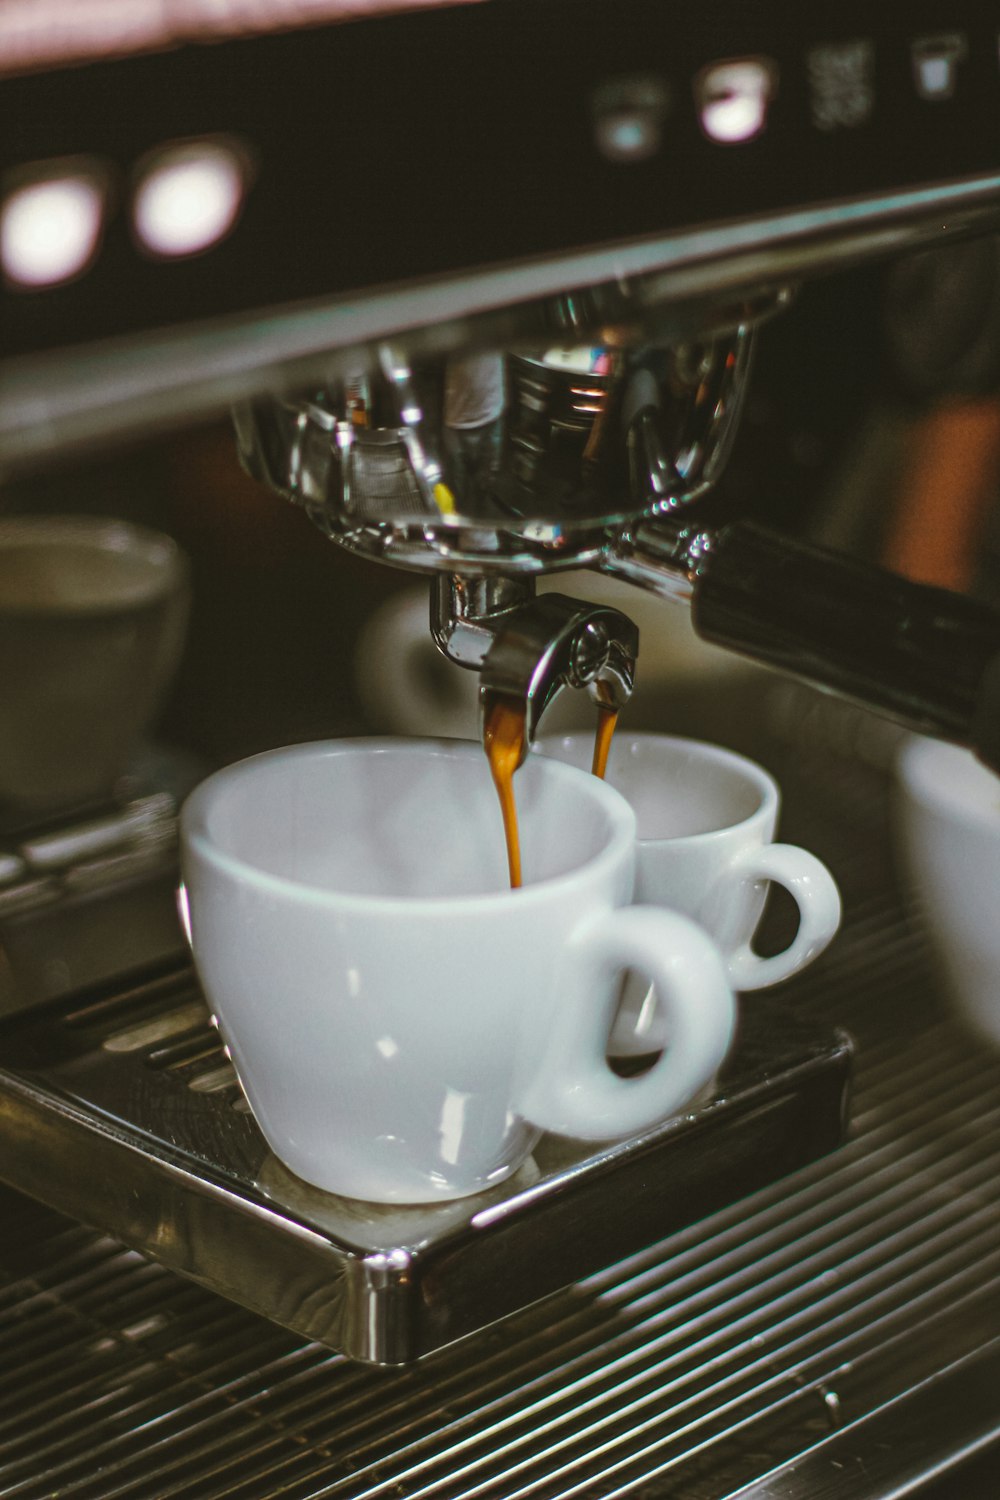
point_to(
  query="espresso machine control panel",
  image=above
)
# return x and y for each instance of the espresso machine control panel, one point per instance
(255, 200)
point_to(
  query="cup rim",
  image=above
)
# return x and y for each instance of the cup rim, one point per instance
(918, 784)
(194, 834)
(750, 770)
(100, 534)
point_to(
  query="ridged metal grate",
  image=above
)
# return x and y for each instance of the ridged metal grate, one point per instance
(382, 482)
(685, 1371)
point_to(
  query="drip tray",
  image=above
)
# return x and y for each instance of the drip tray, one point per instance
(123, 1110)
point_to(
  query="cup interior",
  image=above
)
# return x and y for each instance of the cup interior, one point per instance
(63, 566)
(400, 819)
(677, 788)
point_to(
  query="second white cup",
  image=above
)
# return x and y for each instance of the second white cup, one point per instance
(706, 820)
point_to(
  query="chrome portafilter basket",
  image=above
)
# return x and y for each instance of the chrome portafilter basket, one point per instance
(584, 440)
(591, 438)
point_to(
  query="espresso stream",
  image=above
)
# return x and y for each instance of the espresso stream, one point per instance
(505, 742)
(607, 718)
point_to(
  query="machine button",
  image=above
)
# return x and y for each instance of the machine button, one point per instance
(935, 64)
(733, 98)
(842, 86)
(628, 116)
(189, 196)
(52, 222)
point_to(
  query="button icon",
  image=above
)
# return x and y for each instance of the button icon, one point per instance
(189, 195)
(628, 117)
(841, 80)
(733, 98)
(51, 222)
(935, 64)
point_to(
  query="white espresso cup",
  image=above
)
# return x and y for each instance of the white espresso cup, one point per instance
(706, 820)
(946, 825)
(403, 1024)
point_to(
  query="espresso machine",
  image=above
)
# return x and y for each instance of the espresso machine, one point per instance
(576, 224)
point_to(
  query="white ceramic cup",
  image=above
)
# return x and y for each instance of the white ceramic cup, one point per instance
(706, 820)
(946, 816)
(403, 1024)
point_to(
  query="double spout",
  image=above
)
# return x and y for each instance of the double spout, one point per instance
(528, 648)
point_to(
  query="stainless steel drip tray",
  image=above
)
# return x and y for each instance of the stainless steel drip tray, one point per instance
(122, 1110)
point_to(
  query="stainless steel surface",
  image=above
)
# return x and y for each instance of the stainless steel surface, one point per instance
(899, 1448)
(678, 447)
(145, 825)
(68, 401)
(662, 556)
(467, 610)
(584, 441)
(125, 1111)
(89, 896)
(555, 643)
(689, 1370)
(530, 649)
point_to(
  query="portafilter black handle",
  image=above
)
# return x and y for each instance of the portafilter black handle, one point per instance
(924, 656)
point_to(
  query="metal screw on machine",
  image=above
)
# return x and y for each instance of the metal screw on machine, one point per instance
(590, 653)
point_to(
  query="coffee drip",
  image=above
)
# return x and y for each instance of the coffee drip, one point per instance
(607, 718)
(505, 740)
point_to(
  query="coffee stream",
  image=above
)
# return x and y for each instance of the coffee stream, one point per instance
(505, 742)
(607, 718)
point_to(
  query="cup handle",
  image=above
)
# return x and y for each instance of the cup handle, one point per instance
(815, 893)
(573, 1091)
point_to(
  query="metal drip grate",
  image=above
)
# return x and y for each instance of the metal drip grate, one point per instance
(381, 482)
(688, 1370)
